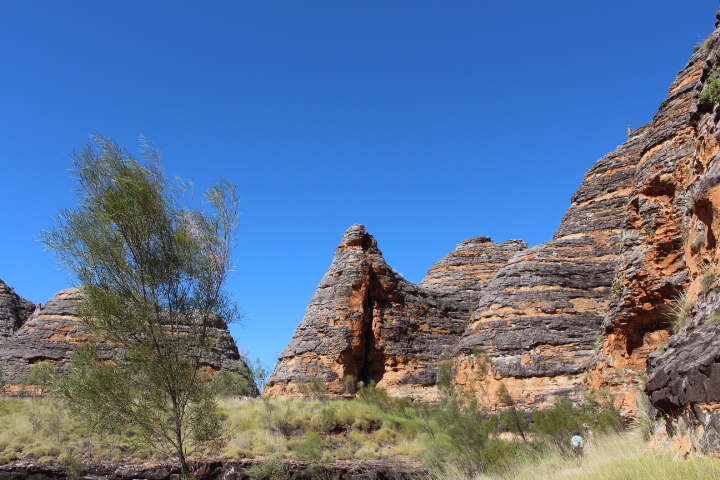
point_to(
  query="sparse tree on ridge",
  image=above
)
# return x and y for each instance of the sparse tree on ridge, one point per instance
(152, 266)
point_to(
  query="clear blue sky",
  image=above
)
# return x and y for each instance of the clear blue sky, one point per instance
(428, 121)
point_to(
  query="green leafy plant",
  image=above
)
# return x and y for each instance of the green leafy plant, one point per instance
(42, 376)
(270, 470)
(512, 418)
(226, 383)
(152, 268)
(711, 93)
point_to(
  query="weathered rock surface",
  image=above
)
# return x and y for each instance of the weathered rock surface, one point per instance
(14, 311)
(54, 331)
(368, 322)
(218, 470)
(684, 383)
(592, 308)
(587, 308)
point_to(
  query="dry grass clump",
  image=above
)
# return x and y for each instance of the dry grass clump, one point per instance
(41, 429)
(315, 430)
(612, 457)
(680, 312)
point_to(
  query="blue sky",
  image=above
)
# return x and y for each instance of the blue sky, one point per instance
(428, 122)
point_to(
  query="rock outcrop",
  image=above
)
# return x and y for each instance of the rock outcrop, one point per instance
(628, 287)
(215, 470)
(14, 311)
(54, 331)
(366, 322)
(684, 380)
(586, 309)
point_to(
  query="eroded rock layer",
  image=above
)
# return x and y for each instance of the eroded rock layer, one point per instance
(684, 383)
(14, 311)
(54, 331)
(590, 307)
(635, 260)
(366, 322)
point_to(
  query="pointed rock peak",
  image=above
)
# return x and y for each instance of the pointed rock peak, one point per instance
(5, 288)
(14, 311)
(356, 236)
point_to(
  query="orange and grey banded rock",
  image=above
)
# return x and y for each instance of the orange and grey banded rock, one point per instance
(366, 321)
(14, 312)
(54, 331)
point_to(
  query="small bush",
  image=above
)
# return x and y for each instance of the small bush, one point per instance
(272, 470)
(368, 451)
(709, 276)
(226, 383)
(73, 467)
(711, 93)
(386, 435)
(559, 423)
(680, 312)
(373, 395)
(310, 448)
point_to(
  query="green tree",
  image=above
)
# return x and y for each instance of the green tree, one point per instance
(152, 266)
(512, 418)
(226, 383)
(42, 376)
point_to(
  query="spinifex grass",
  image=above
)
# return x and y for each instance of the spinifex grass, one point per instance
(313, 430)
(614, 457)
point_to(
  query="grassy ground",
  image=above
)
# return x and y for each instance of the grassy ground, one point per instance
(324, 431)
(614, 457)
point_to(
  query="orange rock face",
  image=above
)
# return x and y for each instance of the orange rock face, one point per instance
(629, 287)
(54, 331)
(367, 323)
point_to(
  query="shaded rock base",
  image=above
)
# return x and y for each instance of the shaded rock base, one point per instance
(228, 470)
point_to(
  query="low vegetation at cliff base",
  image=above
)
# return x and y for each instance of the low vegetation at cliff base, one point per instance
(457, 445)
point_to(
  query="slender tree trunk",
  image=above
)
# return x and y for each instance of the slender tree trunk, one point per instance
(518, 424)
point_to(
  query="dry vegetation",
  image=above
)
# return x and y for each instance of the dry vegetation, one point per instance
(325, 431)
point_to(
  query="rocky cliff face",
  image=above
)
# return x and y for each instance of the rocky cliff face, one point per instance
(14, 311)
(366, 322)
(54, 331)
(593, 308)
(684, 383)
(586, 309)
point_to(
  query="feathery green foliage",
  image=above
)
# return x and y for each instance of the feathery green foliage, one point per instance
(226, 383)
(152, 267)
(711, 93)
(42, 376)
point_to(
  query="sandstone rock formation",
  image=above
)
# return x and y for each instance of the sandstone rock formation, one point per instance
(587, 308)
(593, 308)
(54, 331)
(14, 311)
(368, 322)
(684, 383)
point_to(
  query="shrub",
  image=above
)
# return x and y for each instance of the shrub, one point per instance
(227, 383)
(272, 470)
(314, 388)
(310, 448)
(711, 93)
(559, 423)
(74, 469)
